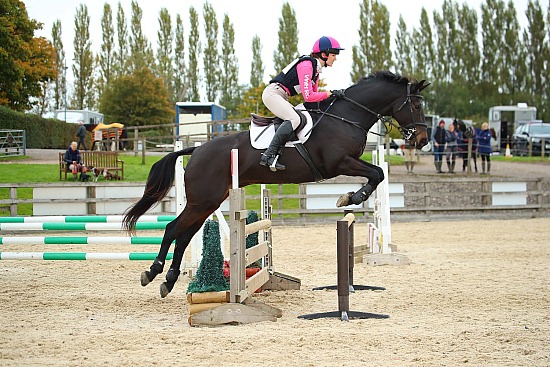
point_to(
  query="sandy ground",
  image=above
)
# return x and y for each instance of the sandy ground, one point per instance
(475, 297)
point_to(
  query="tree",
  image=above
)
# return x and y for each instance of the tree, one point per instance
(26, 62)
(403, 53)
(121, 56)
(257, 68)
(165, 42)
(60, 88)
(193, 76)
(136, 100)
(534, 38)
(180, 70)
(423, 48)
(373, 52)
(470, 57)
(287, 49)
(492, 31)
(211, 56)
(141, 55)
(83, 66)
(230, 68)
(106, 59)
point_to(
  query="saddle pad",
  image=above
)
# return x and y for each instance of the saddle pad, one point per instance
(261, 139)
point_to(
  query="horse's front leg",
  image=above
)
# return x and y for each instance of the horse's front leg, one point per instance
(350, 166)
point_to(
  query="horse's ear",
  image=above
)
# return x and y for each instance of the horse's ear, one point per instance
(419, 87)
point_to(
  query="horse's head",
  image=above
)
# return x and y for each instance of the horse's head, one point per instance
(409, 113)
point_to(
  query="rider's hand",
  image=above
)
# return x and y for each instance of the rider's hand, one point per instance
(338, 93)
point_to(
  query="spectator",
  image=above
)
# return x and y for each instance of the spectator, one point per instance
(484, 147)
(409, 151)
(439, 145)
(73, 160)
(81, 135)
(451, 137)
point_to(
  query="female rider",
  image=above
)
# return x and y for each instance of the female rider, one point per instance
(300, 76)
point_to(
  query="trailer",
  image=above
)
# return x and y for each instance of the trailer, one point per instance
(504, 120)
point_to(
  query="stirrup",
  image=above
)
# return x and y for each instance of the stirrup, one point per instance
(271, 161)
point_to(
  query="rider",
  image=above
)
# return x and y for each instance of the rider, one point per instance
(300, 76)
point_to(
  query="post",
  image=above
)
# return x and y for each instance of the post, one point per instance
(351, 248)
(343, 267)
(136, 142)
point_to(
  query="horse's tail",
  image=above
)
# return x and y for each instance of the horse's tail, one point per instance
(160, 180)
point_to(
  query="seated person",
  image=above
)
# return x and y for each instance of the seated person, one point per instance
(73, 160)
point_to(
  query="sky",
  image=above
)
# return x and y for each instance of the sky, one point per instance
(315, 18)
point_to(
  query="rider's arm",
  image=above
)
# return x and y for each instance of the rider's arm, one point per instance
(305, 76)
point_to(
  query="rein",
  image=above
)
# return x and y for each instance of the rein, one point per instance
(406, 132)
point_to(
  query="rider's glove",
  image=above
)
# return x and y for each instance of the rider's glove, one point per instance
(338, 93)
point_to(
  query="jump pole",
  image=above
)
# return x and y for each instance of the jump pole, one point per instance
(62, 226)
(343, 286)
(84, 219)
(80, 240)
(81, 256)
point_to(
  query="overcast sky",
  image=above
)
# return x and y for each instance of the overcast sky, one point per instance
(316, 18)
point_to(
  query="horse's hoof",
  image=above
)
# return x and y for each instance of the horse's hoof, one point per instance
(165, 289)
(343, 200)
(145, 278)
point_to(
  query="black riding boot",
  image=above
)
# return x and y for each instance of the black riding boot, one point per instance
(271, 156)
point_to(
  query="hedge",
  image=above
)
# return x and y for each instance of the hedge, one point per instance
(41, 133)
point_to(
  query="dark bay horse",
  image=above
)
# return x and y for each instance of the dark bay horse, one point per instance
(337, 141)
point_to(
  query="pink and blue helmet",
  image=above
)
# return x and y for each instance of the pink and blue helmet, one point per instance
(327, 44)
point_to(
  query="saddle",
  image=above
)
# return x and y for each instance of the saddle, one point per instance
(265, 121)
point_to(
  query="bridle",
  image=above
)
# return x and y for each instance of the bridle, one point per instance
(406, 131)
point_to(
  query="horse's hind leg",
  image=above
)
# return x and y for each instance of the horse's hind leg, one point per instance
(173, 273)
(158, 265)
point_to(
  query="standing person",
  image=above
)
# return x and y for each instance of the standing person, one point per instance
(73, 160)
(300, 76)
(409, 156)
(451, 138)
(439, 145)
(484, 147)
(81, 135)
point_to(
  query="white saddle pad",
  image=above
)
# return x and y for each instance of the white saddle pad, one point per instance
(260, 139)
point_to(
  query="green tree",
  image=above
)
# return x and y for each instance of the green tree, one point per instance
(193, 76)
(423, 45)
(26, 62)
(211, 56)
(83, 66)
(470, 56)
(230, 91)
(60, 88)
(287, 49)
(403, 53)
(136, 100)
(257, 68)
(514, 56)
(534, 38)
(180, 70)
(141, 52)
(122, 54)
(165, 42)
(106, 59)
(492, 31)
(373, 52)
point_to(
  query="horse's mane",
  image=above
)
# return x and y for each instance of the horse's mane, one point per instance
(386, 75)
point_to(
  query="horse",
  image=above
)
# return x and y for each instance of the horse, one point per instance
(468, 132)
(336, 142)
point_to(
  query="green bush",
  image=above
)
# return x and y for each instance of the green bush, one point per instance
(41, 133)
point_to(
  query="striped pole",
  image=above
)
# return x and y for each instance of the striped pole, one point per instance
(85, 219)
(78, 226)
(80, 240)
(81, 256)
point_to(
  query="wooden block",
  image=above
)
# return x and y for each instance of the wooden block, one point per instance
(230, 313)
(208, 297)
(194, 308)
(386, 259)
(282, 282)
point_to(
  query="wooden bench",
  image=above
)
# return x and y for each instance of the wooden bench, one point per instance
(95, 159)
